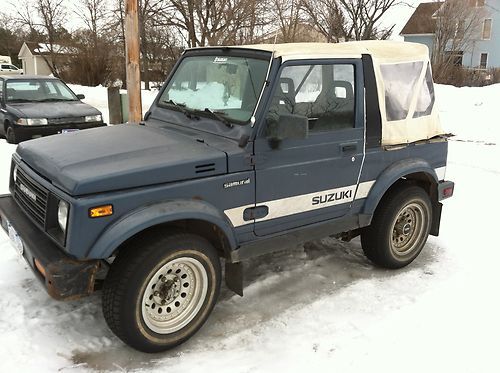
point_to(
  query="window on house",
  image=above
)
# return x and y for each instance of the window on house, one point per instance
(455, 57)
(484, 61)
(487, 29)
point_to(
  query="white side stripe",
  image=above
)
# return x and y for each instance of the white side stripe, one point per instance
(236, 215)
(441, 172)
(279, 208)
(302, 203)
(364, 189)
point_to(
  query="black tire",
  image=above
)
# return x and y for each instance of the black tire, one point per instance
(10, 135)
(132, 315)
(399, 228)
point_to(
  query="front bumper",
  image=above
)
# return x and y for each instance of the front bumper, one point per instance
(24, 133)
(64, 277)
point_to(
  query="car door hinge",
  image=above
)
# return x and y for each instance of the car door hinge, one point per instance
(252, 160)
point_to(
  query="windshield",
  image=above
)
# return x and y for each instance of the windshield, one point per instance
(38, 91)
(228, 86)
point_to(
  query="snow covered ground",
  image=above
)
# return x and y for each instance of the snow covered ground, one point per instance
(98, 97)
(321, 307)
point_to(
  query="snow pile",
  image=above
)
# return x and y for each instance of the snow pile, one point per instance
(471, 113)
(98, 98)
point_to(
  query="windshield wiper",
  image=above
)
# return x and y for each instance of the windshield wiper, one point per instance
(16, 100)
(55, 100)
(181, 108)
(218, 115)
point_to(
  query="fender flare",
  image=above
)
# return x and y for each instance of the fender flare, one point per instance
(388, 177)
(152, 215)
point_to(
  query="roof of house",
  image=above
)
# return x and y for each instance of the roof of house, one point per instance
(421, 21)
(44, 48)
(387, 50)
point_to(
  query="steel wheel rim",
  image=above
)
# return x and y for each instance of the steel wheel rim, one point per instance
(174, 295)
(407, 228)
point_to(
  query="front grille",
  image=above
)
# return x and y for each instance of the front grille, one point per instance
(69, 120)
(31, 196)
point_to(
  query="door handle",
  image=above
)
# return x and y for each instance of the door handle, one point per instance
(257, 212)
(348, 147)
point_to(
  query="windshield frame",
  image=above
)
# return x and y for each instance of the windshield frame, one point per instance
(42, 80)
(248, 53)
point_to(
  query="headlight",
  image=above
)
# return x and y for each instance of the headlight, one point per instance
(93, 118)
(62, 215)
(14, 173)
(32, 122)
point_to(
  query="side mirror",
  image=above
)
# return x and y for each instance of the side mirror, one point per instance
(80, 97)
(288, 126)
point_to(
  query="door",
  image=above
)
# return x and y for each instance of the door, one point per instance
(305, 181)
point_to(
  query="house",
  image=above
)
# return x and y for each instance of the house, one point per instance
(36, 57)
(484, 49)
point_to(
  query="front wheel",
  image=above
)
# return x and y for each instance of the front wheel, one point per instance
(157, 296)
(10, 135)
(400, 227)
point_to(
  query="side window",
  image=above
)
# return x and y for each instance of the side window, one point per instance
(426, 97)
(1, 89)
(325, 94)
(400, 80)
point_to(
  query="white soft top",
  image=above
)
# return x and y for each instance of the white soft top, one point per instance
(404, 82)
(386, 50)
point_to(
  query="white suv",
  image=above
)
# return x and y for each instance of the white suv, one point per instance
(6, 69)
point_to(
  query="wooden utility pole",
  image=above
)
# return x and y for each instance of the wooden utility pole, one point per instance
(132, 61)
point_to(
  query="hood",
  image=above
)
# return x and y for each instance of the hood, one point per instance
(120, 157)
(59, 109)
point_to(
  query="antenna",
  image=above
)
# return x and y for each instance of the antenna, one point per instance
(275, 37)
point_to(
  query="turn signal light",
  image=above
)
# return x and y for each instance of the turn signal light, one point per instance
(100, 211)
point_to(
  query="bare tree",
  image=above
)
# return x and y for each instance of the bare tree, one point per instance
(350, 19)
(362, 18)
(52, 14)
(48, 18)
(327, 17)
(289, 16)
(458, 27)
(93, 49)
(214, 22)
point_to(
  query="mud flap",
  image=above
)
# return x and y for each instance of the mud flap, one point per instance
(234, 277)
(437, 207)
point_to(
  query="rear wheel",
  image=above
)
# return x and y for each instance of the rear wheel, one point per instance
(10, 135)
(158, 295)
(399, 229)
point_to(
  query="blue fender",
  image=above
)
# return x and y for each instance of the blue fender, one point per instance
(392, 174)
(152, 215)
